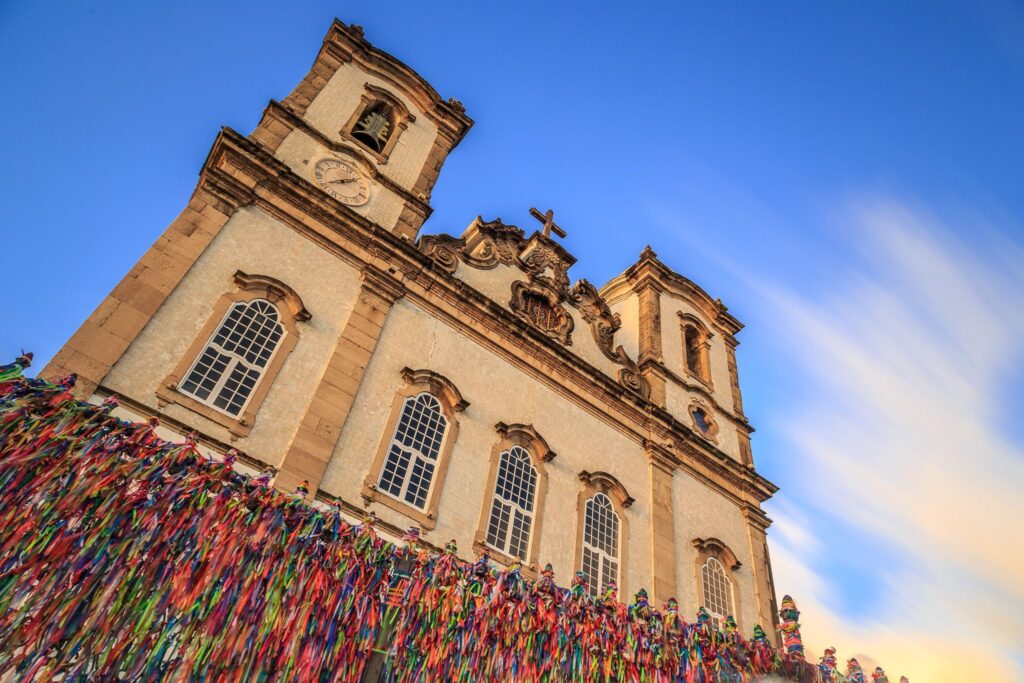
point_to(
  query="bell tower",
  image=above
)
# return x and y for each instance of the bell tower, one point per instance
(367, 130)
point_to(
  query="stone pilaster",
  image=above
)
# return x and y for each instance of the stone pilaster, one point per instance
(760, 567)
(663, 533)
(734, 375)
(318, 433)
(106, 334)
(650, 356)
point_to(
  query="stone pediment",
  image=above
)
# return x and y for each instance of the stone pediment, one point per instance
(543, 299)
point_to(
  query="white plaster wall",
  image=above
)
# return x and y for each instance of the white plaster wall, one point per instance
(494, 283)
(333, 107)
(628, 335)
(255, 243)
(301, 152)
(701, 512)
(497, 391)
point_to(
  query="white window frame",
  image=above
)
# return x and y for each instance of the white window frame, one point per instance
(706, 569)
(596, 587)
(415, 455)
(225, 375)
(513, 506)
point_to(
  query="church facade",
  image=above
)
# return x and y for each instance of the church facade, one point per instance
(463, 385)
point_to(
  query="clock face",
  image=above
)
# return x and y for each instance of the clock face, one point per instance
(342, 180)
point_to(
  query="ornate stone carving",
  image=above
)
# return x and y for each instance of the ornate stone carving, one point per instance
(542, 255)
(540, 307)
(539, 300)
(603, 323)
(444, 250)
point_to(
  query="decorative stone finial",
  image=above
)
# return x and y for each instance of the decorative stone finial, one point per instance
(648, 254)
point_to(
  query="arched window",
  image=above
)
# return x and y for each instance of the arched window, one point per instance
(600, 559)
(692, 349)
(412, 457)
(717, 590)
(408, 471)
(229, 367)
(375, 126)
(511, 520)
(696, 343)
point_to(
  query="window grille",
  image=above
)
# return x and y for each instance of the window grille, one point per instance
(512, 508)
(412, 456)
(717, 590)
(600, 543)
(231, 364)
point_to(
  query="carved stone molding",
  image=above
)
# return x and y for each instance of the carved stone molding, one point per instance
(274, 291)
(528, 436)
(439, 385)
(712, 547)
(603, 323)
(540, 307)
(606, 483)
(538, 301)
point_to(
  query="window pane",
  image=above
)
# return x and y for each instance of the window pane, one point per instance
(717, 589)
(600, 543)
(414, 450)
(244, 342)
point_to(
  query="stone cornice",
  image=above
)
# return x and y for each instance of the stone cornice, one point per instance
(271, 186)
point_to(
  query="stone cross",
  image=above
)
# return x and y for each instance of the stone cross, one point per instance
(548, 219)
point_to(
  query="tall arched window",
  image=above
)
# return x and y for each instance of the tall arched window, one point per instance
(412, 457)
(600, 543)
(696, 344)
(511, 520)
(408, 471)
(717, 590)
(229, 367)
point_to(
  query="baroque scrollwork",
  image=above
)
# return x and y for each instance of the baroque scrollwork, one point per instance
(603, 323)
(539, 306)
(539, 300)
(484, 245)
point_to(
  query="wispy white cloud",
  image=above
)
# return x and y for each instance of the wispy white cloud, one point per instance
(898, 465)
(906, 356)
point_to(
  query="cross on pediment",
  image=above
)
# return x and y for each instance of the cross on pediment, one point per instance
(548, 219)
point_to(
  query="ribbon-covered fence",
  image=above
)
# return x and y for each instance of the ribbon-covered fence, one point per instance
(124, 557)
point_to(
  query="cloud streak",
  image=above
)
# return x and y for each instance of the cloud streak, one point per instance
(903, 360)
(898, 525)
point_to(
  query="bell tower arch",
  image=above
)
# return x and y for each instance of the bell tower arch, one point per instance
(366, 130)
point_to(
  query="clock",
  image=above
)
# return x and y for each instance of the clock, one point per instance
(342, 180)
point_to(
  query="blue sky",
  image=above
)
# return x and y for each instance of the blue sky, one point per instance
(847, 177)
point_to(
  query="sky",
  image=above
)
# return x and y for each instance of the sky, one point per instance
(847, 177)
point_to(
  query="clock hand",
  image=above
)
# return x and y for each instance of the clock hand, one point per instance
(342, 180)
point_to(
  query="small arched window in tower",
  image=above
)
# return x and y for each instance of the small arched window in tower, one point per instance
(717, 590)
(700, 418)
(600, 543)
(413, 454)
(375, 126)
(695, 343)
(508, 529)
(230, 365)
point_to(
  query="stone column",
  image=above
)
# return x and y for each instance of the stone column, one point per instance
(318, 433)
(663, 530)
